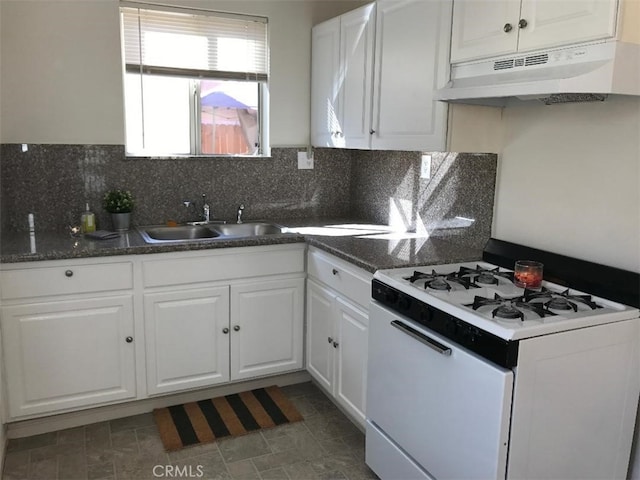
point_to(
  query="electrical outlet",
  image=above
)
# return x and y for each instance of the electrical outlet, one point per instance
(425, 167)
(305, 162)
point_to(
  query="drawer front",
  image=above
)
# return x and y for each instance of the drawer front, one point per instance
(66, 279)
(216, 267)
(349, 281)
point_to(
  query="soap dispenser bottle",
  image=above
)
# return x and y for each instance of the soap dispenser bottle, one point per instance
(88, 221)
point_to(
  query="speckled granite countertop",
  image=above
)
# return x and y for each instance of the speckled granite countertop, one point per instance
(367, 246)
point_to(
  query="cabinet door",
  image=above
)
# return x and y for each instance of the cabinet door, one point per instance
(411, 62)
(563, 22)
(356, 60)
(325, 84)
(71, 354)
(320, 320)
(266, 328)
(484, 28)
(187, 339)
(351, 358)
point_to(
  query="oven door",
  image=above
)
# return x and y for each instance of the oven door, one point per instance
(442, 407)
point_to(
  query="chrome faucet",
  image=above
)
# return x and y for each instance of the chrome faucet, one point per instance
(206, 209)
(240, 210)
(205, 213)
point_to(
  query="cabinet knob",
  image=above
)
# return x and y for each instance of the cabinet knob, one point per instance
(335, 344)
(129, 339)
(335, 272)
(372, 131)
(507, 27)
(522, 23)
(330, 340)
(69, 273)
(236, 328)
(225, 330)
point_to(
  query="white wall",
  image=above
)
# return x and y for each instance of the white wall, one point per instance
(60, 67)
(569, 180)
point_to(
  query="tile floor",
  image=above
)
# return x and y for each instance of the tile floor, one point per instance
(326, 445)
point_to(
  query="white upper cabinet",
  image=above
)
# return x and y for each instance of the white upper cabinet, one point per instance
(488, 28)
(342, 56)
(325, 69)
(374, 71)
(356, 54)
(411, 62)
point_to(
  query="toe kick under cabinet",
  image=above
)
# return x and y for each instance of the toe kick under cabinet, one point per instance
(67, 335)
(226, 316)
(338, 295)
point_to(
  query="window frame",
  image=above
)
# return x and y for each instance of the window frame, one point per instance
(195, 76)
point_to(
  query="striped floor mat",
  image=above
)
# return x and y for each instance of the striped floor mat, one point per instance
(238, 414)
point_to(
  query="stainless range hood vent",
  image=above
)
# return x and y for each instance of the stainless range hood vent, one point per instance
(559, 75)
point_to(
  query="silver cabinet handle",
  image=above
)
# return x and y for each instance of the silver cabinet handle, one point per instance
(330, 340)
(335, 272)
(335, 344)
(236, 328)
(372, 131)
(522, 23)
(507, 27)
(225, 330)
(129, 339)
(429, 342)
(69, 273)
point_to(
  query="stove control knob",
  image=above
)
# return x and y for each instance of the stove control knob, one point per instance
(426, 315)
(451, 326)
(391, 296)
(404, 302)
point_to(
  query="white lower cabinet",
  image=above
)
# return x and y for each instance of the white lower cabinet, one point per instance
(86, 333)
(337, 331)
(223, 330)
(68, 335)
(68, 354)
(187, 339)
(266, 327)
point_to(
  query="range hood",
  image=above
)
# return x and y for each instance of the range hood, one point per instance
(576, 73)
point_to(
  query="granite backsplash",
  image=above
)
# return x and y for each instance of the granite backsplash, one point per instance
(457, 197)
(55, 181)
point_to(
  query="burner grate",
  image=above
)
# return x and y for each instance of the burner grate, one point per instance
(510, 308)
(440, 281)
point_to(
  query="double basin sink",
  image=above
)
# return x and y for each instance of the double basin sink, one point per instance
(189, 233)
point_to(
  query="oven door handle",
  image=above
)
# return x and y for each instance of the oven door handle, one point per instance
(429, 342)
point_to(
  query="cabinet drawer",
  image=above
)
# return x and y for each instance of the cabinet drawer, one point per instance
(350, 281)
(66, 279)
(215, 267)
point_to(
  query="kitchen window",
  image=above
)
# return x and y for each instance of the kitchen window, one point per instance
(195, 81)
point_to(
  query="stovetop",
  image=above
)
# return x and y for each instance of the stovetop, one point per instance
(485, 296)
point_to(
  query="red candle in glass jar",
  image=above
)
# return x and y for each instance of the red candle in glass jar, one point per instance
(528, 274)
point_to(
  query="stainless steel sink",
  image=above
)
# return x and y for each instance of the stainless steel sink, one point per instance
(181, 233)
(190, 233)
(250, 229)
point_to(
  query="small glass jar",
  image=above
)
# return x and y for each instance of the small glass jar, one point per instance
(528, 274)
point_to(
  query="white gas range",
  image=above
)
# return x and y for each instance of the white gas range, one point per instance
(470, 376)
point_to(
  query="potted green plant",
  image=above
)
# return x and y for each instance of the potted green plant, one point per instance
(119, 203)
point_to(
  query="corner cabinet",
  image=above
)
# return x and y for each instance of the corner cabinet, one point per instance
(488, 28)
(209, 321)
(68, 336)
(337, 330)
(374, 72)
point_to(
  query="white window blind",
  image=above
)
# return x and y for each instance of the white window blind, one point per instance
(196, 44)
